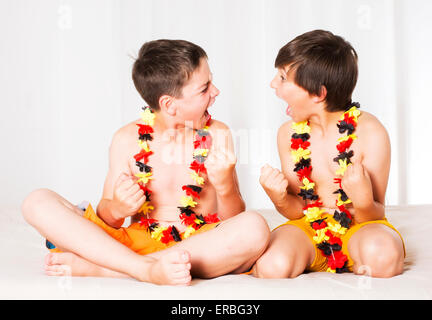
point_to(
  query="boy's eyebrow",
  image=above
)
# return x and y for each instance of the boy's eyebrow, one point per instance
(204, 85)
(207, 83)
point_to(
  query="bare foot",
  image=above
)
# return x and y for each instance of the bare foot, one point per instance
(69, 264)
(172, 268)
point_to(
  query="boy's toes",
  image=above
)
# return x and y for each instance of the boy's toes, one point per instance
(56, 270)
(180, 256)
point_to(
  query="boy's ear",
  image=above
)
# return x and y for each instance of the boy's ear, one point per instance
(167, 104)
(321, 97)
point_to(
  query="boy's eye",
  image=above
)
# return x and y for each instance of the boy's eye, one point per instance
(204, 90)
(282, 78)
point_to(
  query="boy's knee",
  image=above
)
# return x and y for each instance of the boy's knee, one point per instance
(383, 256)
(255, 230)
(276, 266)
(32, 201)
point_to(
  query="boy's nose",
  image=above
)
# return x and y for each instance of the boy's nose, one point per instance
(273, 83)
(214, 91)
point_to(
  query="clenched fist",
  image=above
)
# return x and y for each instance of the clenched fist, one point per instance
(357, 185)
(220, 165)
(274, 183)
(128, 196)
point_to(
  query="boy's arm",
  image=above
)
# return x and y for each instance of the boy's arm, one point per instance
(221, 172)
(365, 183)
(121, 196)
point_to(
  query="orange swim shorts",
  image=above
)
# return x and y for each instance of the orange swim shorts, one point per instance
(135, 237)
(320, 262)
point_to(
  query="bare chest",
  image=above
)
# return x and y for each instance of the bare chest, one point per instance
(169, 164)
(324, 167)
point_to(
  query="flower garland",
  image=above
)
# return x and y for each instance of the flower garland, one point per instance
(327, 234)
(188, 217)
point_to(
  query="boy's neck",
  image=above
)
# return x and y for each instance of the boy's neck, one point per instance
(325, 121)
(170, 128)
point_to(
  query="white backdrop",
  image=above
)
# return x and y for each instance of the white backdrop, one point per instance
(65, 82)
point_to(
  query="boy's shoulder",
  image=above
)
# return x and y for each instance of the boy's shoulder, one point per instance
(367, 121)
(124, 133)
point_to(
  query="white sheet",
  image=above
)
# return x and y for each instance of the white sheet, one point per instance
(22, 275)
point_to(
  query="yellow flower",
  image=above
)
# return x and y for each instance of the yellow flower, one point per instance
(187, 201)
(197, 178)
(296, 155)
(301, 127)
(336, 228)
(353, 112)
(148, 117)
(198, 221)
(189, 230)
(313, 213)
(201, 152)
(144, 145)
(342, 167)
(157, 233)
(320, 235)
(345, 138)
(331, 270)
(340, 202)
(307, 184)
(146, 208)
(143, 177)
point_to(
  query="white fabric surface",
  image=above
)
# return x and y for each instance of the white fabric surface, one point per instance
(22, 275)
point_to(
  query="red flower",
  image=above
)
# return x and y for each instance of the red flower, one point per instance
(313, 204)
(202, 142)
(297, 143)
(167, 236)
(188, 220)
(318, 226)
(143, 155)
(190, 192)
(209, 121)
(144, 129)
(333, 239)
(146, 222)
(198, 167)
(211, 218)
(304, 173)
(349, 120)
(336, 260)
(343, 145)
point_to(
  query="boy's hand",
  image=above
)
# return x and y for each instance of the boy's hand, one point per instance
(128, 196)
(274, 184)
(357, 185)
(220, 165)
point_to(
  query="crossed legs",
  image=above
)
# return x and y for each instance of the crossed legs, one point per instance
(374, 248)
(88, 250)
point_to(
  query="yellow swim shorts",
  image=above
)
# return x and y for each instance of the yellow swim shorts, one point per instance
(135, 237)
(320, 262)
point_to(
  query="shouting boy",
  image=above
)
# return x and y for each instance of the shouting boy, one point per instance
(335, 162)
(172, 172)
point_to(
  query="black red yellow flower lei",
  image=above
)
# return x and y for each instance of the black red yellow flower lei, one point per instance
(193, 221)
(327, 234)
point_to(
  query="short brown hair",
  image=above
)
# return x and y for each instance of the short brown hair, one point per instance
(321, 58)
(163, 67)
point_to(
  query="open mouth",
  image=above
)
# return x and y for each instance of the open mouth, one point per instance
(288, 111)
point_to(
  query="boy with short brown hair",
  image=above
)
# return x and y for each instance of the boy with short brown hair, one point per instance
(335, 165)
(170, 171)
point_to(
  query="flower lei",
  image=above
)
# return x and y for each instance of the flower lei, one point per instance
(327, 234)
(188, 217)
